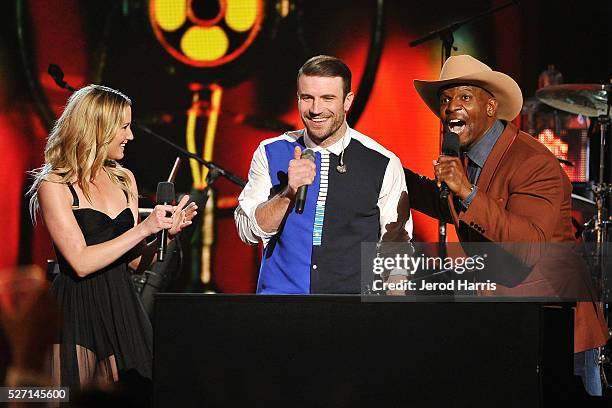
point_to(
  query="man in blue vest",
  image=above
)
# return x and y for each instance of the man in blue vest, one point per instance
(356, 192)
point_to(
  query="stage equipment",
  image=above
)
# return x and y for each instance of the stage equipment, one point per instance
(588, 208)
(582, 99)
(161, 274)
(446, 36)
(212, 42)
(164, 196)
(590, 100)
(346, 351)
(593, 100)
(450, 147)
(206, 34)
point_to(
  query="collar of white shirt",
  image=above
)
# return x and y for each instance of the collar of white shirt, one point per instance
(336, 148)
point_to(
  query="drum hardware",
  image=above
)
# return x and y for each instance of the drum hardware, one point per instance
(585, 206)
(593, 100)
(581, 99)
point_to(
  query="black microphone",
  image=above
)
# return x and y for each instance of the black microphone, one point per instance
(58, 76)
(300, 196)
(165, 196)
(450, 147)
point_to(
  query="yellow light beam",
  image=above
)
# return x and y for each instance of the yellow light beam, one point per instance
(192, 118)
(208, 223)
(211, 126)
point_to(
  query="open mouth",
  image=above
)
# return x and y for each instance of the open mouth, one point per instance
(456, 125)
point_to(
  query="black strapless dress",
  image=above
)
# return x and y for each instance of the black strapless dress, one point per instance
(106, 334)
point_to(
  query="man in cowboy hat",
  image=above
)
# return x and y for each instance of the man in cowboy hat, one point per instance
(507, 187)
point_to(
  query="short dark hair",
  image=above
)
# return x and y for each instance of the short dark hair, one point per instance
(327, 66)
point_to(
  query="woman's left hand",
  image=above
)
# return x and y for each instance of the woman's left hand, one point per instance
(182, 216)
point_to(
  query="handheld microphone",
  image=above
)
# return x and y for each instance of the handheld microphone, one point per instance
(300, 196)
(165, 196)
(450, 147)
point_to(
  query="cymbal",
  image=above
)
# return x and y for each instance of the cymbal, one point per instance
(587, 207)
(581, 99)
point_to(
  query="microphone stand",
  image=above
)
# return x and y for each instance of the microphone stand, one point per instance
(445, 34)
(214, 168)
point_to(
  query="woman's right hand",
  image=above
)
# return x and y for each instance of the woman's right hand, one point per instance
(160, 218)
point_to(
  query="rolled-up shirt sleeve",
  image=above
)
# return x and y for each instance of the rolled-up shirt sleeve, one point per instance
(256, 191)
(394, 205)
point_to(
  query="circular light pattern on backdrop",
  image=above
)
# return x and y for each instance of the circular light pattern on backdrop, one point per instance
(206, 33)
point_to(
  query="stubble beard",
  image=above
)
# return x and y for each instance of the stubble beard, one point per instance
(321, 135)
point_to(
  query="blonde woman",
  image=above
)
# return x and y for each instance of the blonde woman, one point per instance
(89, 205)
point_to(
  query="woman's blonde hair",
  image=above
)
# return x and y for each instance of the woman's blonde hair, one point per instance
(77, 147)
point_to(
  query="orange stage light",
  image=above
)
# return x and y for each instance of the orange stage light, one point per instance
(553, 143)
(563, 150)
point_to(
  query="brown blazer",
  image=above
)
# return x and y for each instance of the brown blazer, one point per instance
(524, 196)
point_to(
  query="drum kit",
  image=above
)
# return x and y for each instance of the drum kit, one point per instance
(594, 101)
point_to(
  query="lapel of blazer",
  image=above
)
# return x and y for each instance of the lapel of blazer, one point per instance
(488, 171)
(493, 161)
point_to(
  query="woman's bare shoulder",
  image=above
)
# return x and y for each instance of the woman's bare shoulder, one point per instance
(129, 173)
(53, 185)
(134, 186)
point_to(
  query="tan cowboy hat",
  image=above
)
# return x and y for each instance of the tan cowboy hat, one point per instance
(465, 69)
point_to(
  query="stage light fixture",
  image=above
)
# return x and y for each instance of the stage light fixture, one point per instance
(206, 33)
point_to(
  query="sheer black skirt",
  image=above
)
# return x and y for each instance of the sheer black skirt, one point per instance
(106, 335)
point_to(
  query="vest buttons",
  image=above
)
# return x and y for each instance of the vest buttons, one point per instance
(314, 266)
